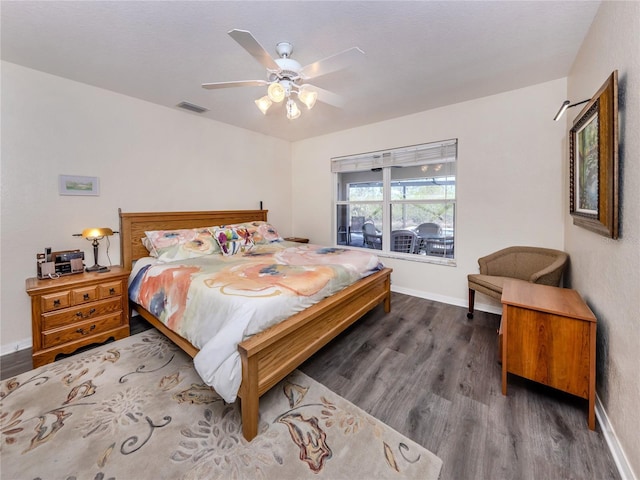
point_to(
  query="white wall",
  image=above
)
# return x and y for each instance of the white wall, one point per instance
(510, 180)
(605, 271)
(147, 157)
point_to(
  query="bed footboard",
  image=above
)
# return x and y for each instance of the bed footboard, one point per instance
(270, 356)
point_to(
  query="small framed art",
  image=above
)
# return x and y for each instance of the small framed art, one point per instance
(75, 185)
(593, 154)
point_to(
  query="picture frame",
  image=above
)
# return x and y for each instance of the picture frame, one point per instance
(593, 157)
(78, 185)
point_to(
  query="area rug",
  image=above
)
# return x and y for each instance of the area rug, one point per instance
(136, 408)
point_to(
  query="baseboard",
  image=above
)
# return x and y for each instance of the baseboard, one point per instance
(16, 346)
(483, 307)
(624, 468)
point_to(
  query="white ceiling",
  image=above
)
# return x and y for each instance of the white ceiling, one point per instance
(418, 55)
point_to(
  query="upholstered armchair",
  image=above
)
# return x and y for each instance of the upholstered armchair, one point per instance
(529, 264)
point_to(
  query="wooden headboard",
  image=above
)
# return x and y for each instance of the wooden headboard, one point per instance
(133, 226)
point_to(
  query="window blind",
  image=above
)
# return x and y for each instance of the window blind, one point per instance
(437, 152)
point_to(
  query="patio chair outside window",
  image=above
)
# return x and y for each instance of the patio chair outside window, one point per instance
(356, 224)
(372, 238)
(403, 241)
(343, 235)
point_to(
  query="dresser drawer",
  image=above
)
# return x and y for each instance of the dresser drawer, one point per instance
(74, 315)
(84, 295)
(112, 289)
(81, 330)
(55, 301)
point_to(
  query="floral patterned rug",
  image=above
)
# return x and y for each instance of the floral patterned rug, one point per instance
(136, 408)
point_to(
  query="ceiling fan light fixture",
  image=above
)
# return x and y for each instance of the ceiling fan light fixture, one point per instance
(263, 103)
(276, 92)
(293, 111)
(308, 97)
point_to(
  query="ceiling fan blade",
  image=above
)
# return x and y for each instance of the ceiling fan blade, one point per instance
(332, 63)
(251, 45)
(239, 83)
(325, 96)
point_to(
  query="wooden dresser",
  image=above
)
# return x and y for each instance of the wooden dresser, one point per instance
(77, 310)
(548, 335)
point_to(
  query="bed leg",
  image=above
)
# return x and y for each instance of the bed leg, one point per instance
(387, 300)
(250, 411)
(250, 402)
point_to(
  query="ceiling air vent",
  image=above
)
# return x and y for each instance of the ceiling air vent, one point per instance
(192, 107)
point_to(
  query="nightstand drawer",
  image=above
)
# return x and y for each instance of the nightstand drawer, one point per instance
(83, 295)
(107, 290)
(55, 301)
(71, 316)
(81, 330)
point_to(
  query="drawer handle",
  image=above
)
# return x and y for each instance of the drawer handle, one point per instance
(85, 296)
(56, 303)
(112, 291)
(81, 315)
(82, 332)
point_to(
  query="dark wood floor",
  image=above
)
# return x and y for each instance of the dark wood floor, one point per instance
(432, 374)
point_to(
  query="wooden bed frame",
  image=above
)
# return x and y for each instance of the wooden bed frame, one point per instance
(271, 355)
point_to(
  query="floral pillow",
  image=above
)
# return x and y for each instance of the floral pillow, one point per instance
(261, 232)
(170, 245)
(233, 240)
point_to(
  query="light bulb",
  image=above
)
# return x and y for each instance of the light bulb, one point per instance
(308, 97)
(263, 104)
(293, 111)
(276, 92)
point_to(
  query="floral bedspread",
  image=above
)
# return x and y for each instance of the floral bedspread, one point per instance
(217, 301)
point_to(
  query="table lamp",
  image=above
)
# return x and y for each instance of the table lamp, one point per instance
(93, 235)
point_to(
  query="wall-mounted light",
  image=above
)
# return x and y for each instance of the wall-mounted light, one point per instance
(566, 104)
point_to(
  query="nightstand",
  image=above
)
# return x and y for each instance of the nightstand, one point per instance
(77, 310)
(297, 239)
(549, 336)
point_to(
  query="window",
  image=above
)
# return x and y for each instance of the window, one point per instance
(401, 201)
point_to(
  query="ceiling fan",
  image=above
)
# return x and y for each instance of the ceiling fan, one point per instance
(286, 77)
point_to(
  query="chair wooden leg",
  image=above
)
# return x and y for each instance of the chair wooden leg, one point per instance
(472, 297)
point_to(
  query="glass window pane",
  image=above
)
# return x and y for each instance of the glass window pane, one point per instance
(426, 182)
(351, 221)
(433, 224)
(360, 186)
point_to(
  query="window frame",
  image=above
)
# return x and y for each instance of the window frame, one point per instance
(387, 202)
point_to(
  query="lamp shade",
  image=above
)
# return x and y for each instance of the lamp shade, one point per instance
(308, 97)
(96, 233)
(263, 103)
(276, 92)
(293, 111)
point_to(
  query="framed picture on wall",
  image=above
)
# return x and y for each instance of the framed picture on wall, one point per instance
(593, 154)
(76, 185)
